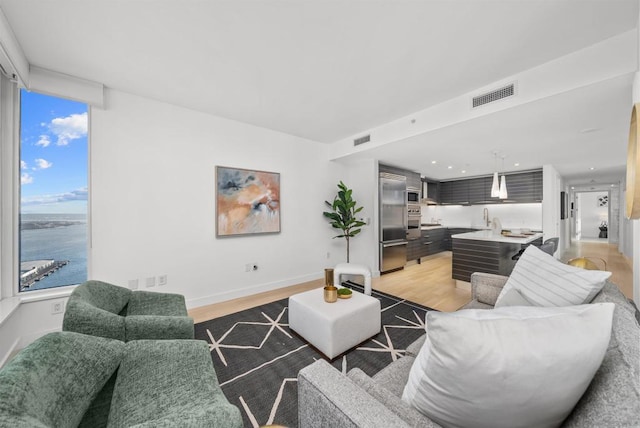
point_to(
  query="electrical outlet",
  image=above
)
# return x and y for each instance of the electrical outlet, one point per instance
(151, 281)
(57, 307)
(133, 284)
(162, 280)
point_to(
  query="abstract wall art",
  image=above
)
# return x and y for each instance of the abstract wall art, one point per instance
(247, 202)
(603, 201)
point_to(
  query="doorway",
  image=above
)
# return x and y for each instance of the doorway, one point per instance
(591, 214)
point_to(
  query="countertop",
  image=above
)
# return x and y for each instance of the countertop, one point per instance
(487, 235)
(441, 226)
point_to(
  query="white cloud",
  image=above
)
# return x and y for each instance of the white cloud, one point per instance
(23, 165)
(43, 164)
(26, 178)
(74, 195)
(69, 128)
(44, 141)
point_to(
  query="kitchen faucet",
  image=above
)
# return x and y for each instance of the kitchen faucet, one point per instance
(485, 217)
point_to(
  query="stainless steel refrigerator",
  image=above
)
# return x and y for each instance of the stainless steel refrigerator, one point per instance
(393, 221)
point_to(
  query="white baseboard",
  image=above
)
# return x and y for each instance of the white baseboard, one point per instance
(248, 291)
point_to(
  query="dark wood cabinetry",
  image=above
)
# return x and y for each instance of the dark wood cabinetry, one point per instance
(432, 191)
(413, 178)
(523, 187)
(414, 249)
(433, 241)
(474, 255)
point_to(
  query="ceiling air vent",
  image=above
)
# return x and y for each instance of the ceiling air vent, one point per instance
(492, 96)
(362, 140)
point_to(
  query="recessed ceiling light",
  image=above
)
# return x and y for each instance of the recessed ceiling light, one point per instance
(449, 167)
(464, 171)
(592, 168)
(613, 185)
(433, 161)
(516, 164)
(572, 187)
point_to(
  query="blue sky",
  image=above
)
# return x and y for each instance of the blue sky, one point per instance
(53, 153)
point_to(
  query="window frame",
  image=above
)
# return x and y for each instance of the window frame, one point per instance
(10, 196)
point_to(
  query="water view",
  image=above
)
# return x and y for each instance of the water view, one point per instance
(53, 250)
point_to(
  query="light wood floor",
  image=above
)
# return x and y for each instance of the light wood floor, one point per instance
(429, 283)
(619, 266)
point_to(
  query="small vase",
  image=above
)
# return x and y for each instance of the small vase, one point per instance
(330, 294)
(328, 277)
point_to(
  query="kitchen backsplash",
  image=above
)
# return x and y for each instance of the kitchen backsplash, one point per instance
(512, 216)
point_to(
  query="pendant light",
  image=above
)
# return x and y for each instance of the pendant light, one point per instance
(502, 194)
(495, 187)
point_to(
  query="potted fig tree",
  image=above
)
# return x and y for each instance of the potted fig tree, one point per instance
(343, 214)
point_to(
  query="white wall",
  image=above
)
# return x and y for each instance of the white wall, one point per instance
(512, 216)
(590, 214)
(153, 201)
(552, 225)
(362, 177)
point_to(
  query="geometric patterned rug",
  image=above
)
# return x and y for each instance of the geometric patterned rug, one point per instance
(257, 357)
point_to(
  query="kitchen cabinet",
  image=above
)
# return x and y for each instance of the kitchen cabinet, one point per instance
(414, 249)
(431, 191)
(482, 251)
(454, 231)
(433, 241)
(523, 187)
(455, 192)
(413, 178)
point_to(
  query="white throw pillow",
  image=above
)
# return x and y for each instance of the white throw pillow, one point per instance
(508, 367)
(544, 281)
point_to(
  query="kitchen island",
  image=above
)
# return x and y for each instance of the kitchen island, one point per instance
(485, 251)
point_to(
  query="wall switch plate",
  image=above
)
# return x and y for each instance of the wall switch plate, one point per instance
(57, 307)
(151, 281)
(162, 280)
(133, 284)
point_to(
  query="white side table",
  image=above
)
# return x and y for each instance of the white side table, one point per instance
(334, 328)
(353, 269)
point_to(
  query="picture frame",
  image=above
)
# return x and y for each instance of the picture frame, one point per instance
(247, 202)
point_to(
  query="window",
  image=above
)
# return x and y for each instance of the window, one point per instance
(53, 191)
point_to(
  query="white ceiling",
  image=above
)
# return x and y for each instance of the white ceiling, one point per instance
(325, 70)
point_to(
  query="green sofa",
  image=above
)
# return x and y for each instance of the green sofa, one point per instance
(67, 379)
(101, 309)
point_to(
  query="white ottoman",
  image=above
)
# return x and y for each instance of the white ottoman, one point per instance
(334, 328)
(353, 269)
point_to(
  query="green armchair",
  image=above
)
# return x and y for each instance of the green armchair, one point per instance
(68, 380)
(101, 309)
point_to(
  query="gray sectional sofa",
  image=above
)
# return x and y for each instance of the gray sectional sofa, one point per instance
(326, 397)
(68, 379)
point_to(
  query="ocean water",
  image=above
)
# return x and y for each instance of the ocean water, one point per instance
(61, 242)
